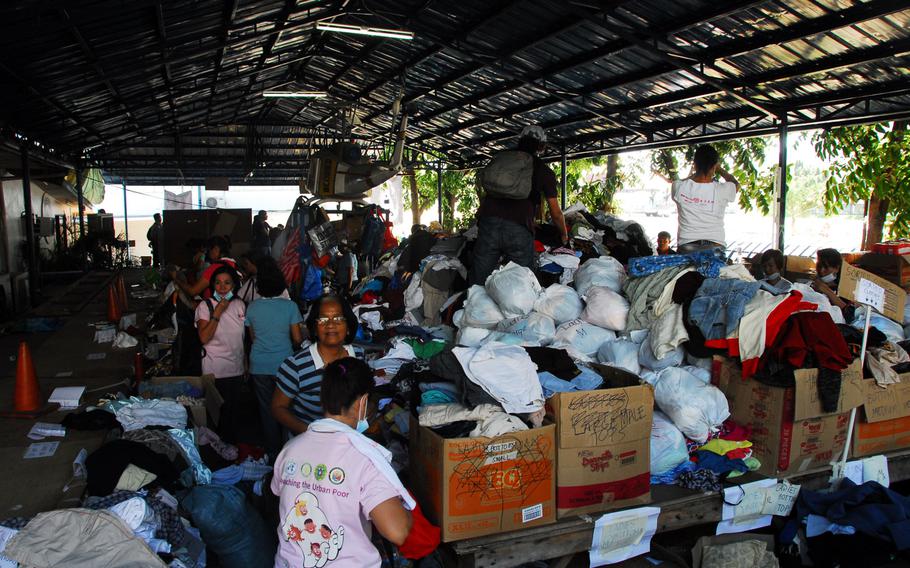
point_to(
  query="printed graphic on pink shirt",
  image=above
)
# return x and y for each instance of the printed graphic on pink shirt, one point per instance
(309, 528)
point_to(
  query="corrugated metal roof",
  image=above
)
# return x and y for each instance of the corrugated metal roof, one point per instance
(161, 91)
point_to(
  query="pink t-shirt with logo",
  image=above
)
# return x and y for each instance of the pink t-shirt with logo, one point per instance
(326, 490)
(224, 351)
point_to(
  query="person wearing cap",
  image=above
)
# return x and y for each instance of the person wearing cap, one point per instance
(506, 226)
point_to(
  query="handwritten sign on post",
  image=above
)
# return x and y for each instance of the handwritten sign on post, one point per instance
(871, 294)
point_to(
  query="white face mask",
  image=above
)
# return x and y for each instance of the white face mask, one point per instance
(362, 424)
(829, 278)
(771, 277)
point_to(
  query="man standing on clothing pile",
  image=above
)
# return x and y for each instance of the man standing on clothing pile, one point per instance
(514, 183)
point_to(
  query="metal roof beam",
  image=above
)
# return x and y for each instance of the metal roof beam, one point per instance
(731, 49)
(227, 19)
(165, 66)
(499, 8)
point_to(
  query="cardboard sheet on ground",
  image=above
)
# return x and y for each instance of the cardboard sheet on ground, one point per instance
(622, 535)
(748, 511)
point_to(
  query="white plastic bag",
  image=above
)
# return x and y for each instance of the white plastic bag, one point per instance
(605, 308)
(668, 445)
(514, 288)
(560, 303)
(647, 359)
(601, 271)
(480, 310)
(534, 328)
(472, 336)
(582, 337)
(892, 330)
(696, 408)
(621, 353)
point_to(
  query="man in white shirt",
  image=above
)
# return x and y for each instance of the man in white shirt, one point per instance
(701, 202)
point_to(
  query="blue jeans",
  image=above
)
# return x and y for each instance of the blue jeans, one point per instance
(264, 386)
(719, 304)
(500, 239)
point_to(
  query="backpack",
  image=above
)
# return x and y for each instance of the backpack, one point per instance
(508, 175)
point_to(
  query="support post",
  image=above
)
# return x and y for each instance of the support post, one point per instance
(439, 191)
(782, 185)
(30, 240)
(126, 223)
(80, 199)
(199, 196)
(562, 180)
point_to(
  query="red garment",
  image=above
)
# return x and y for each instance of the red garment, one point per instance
(423, 538)
(538, 247)
(773, 324)
(738, 454)
(248, 450)
(734, 432)
(369, 298)
(321, 261)
(389, 241)
(812, 332)
(290, 259)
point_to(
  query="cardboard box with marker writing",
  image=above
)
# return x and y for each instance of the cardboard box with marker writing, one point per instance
(473, 487)
(790, 431)
(603, 445)
(884, 423)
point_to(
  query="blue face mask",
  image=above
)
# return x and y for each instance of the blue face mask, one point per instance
(362, 424)
(771, 277)
(227, 296)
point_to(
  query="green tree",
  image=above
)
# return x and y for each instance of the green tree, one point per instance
(460, 198)
(588, 181)
(872, 163)
(742, 157)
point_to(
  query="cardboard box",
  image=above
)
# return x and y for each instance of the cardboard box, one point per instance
(790, 432)
(213, 399)
(473, 487)
(885, 420)
(799, 267)
(603, 437)
(895, 296)
(895, 268)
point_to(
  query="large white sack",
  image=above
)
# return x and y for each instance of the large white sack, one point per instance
(696, 408)
(582, 337)
(534, 328)
(472, 336)
(514, 288)
(480, 310)
(507, 338)
(600, 271)
(647, 359)
(605, 308)
(621, 353)
(668, 445)
(560, 303)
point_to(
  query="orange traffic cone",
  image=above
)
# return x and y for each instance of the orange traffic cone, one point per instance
(113, 305)
(27, 397)
(121, 287)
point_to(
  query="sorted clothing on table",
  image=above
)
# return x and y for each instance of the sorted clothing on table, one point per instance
(643, 293)
(425, 350)
(723, 447)
(700, 480)
(719, 306)
(506, 372)
(721, 465)
(882, 360)
(870, 508)
(187, 442)
(135, 413)
(105, 465)
(80, 538)
(707, 262)
(765, 316)
(490, 419)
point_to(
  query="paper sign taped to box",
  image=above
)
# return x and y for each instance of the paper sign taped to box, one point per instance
(747, 513)
(895, 297)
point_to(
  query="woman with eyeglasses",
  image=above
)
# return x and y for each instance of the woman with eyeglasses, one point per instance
(331, 325)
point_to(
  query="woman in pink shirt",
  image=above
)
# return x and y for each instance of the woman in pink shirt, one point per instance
(220, 321)
(334, 483)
